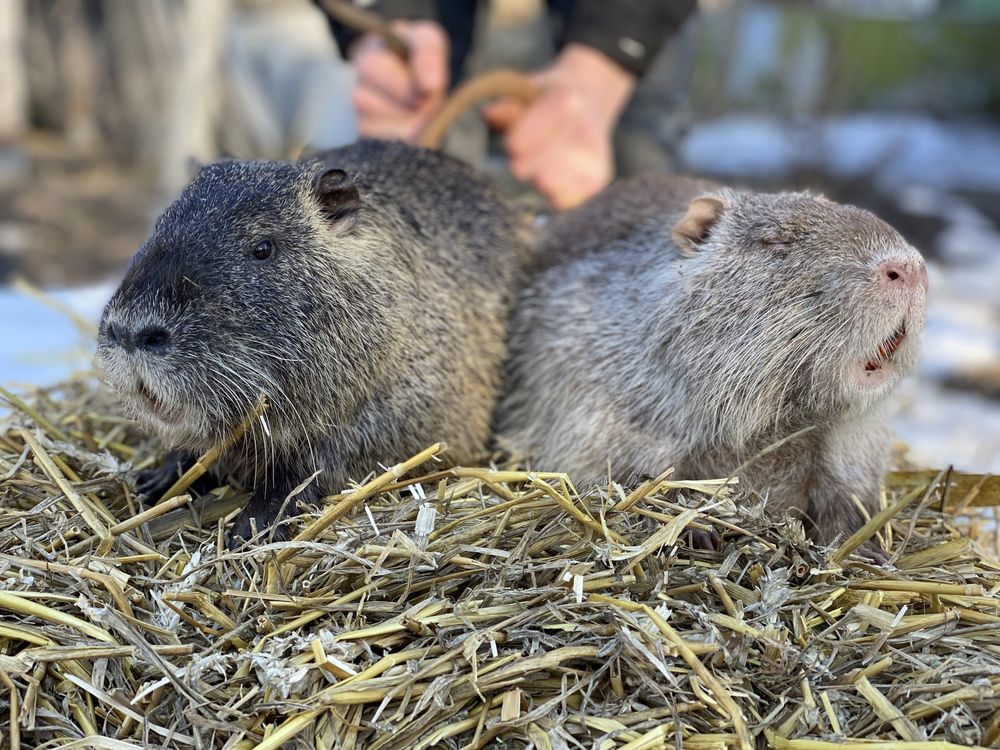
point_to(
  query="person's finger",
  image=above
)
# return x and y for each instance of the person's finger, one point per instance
(563, 190)
(546, 146)
(546, 116)
(381, 70)
(388, 128)
(428, 56)
(503, 113)
(568, 176)
(404, 124)
(369, 101)
(566, 192)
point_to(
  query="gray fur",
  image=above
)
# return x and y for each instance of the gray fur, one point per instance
(374, 332)
(630, 353)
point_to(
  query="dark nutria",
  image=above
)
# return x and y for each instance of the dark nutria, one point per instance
(675, 322)
(365, 292)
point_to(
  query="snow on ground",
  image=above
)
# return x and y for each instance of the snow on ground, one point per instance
(41, 345)
(893, 150)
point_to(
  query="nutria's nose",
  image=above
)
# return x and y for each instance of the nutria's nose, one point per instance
(903, 273)
(153, 339)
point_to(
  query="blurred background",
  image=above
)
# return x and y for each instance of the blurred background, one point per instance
(889, 104)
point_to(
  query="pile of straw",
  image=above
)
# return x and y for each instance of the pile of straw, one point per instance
(471, 608)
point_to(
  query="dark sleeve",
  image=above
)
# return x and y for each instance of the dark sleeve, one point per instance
(630, 32)
(456, 16)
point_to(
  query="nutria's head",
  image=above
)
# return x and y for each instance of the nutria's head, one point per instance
(255, 281)
(804, 310)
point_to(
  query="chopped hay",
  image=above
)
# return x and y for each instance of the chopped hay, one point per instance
(470, 608)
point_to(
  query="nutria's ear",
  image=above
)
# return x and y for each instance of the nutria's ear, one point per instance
(337, 195)
(696, 224)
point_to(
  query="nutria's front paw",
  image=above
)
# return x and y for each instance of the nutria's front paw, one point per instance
(706, 540)
(258, 523)
(874, 553)
(261, 520)
(152, 483)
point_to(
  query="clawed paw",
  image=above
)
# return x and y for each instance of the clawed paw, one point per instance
(874, 553)
(152, 483)
(256, 524)
(707, 540)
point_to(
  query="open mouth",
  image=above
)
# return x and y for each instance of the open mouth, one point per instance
(887, 349)
(154, 403)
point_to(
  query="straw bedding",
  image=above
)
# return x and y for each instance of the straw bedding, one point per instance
(470, 608)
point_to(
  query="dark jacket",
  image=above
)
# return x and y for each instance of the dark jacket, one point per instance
(630, 32)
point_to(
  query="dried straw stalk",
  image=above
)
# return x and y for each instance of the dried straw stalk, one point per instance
(471, 607)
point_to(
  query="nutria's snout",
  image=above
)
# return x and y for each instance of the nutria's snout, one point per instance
(887, 349)
(901, 288)
(132, 355)
(151, 338)
(132, 338)
(903, 274)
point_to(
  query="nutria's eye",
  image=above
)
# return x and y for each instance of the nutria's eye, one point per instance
(263, 250)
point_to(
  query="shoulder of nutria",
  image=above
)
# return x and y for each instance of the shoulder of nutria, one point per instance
(632, 211)
(442, 205)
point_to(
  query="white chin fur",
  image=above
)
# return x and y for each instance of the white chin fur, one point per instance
(184, 429)
(176, 423)
(883, 378)
(866, 387)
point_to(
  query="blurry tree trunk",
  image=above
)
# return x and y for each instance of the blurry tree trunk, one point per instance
(78, 68)
(13, 85)
(194, 98)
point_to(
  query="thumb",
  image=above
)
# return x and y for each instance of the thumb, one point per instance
(503, 113)
(428, 57)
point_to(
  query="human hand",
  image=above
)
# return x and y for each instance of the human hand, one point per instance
(396, 99)
(562, 141)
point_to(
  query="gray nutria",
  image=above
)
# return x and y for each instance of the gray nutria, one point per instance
(675, 322)
(365, 292)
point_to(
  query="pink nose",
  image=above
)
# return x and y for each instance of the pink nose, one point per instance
(899, 273)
